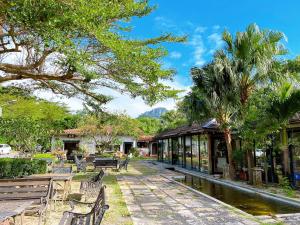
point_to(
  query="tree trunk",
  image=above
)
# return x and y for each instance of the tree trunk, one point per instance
(285, 148)
(250, 165)
(227, 136)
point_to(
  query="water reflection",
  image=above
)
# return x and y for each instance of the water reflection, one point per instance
(250, 203)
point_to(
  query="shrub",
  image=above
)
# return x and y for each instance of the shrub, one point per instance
(11, 168)
(44, 156)
(135, 152)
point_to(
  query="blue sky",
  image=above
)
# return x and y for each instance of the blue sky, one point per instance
(203, 22)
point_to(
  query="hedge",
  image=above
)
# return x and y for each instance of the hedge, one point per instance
(12, 168)
(44, 156)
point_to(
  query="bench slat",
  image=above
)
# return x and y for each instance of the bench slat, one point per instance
(23, 189)
(23, 195)
(23, 183)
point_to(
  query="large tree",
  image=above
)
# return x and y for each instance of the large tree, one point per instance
(80, 47)
(30, 121)
(216, 87)
(248, 61)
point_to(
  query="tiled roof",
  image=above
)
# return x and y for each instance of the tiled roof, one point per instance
(72, 131)
(146, 138)
(209, 126)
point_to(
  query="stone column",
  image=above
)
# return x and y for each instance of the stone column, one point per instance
(257, 176)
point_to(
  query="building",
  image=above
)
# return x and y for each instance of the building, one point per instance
(147, 146)
(73, 140)
(199, 147)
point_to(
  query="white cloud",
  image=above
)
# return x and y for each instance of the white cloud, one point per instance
(175, 55)
(199, 50)
(200, 29)
(216, 27)
(216, 40)
(136, 106)
(122, 103)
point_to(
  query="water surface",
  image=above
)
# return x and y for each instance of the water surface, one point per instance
(250, 203)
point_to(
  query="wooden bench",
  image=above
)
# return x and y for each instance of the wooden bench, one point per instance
(106, 163)
(90, 188)
(94, 217)
(36, 190)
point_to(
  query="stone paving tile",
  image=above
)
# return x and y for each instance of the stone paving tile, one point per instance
(155, 200)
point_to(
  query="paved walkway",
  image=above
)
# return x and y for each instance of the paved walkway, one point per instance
(154, 200)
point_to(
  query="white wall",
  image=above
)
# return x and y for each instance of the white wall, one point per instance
(86, 142)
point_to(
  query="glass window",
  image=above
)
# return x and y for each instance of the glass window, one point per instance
(170, 150)
(160, 150)
(203, 153)
(188, 152)
(195, 152)
(175, 151)
(296, 157)
(165, 151)
(142, 144)
(180, 151)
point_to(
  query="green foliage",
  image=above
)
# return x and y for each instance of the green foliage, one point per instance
(172, 119)
(149, 126)
(284, 183)
(89, 45)
(135, 152)
(44, 156)
(12, 168)
(30, 121)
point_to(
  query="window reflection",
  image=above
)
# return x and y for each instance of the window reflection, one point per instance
(195, 152)
(203, 153)
(188, 152)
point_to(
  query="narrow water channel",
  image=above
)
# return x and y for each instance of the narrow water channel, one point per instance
(250, 203)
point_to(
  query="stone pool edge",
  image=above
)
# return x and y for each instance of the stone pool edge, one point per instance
(236, 185)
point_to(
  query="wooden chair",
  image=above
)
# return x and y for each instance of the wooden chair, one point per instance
(80, 164)
(90, 188)
(37, 190)
(124, 164)
(94, 217)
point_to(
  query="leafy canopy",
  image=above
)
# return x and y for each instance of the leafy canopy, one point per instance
(29, 121)
(80, 46)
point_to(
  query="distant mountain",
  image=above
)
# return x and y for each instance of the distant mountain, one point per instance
(154, 113)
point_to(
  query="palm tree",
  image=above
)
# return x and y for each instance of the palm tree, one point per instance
(282, 108)
(253, 53)
(217, 88)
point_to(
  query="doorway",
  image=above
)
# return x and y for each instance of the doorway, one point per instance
(127, 147)
(219, 155)
(154, 149)
(69, 147)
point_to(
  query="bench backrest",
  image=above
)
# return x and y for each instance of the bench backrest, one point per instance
(36, 189)
(91, 187)
(99, 176)
(81, 164)
(106, 163)
(94, 217)
(61, 169)
(124, 164)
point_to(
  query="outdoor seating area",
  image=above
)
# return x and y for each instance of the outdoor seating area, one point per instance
(42, 194)
(158, 112)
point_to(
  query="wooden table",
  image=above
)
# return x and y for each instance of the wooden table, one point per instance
(56, 178)
(10, 209)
